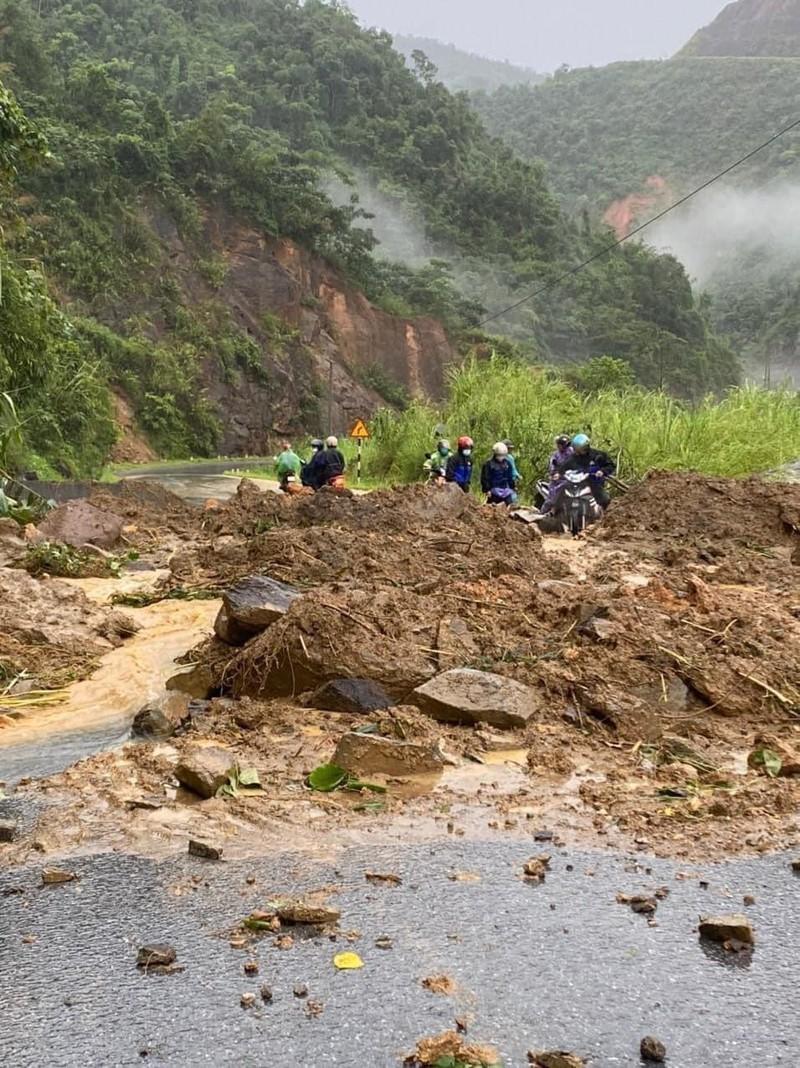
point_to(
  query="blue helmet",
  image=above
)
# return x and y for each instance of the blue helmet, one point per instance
(580, 441)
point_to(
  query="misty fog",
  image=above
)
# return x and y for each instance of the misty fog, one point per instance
(723, 223)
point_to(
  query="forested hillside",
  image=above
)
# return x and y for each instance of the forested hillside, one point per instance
(751, 28)
(180, 220)
(626, 140)
(464, 71)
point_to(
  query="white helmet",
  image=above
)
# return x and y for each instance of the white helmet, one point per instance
(500, 450)
(332, 442)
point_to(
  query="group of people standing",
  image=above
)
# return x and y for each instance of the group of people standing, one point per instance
(500, 475)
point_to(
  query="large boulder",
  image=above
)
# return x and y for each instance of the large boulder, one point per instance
(204, 770)
(369, 754)
(360, 696)
(79, 523)
(250, 606)
(162, 718)
(463, 695)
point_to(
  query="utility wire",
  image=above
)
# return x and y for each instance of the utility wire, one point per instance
(608, 248)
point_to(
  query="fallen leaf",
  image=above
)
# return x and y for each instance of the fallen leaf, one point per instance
(346, 962)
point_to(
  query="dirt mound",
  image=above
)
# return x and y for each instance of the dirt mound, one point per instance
(416, 537)
(51, 631)
(368, 633)
(721, 513)
(147, 509)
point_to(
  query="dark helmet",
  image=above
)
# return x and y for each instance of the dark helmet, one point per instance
(562, 441)
(317, 444)
(509, 445)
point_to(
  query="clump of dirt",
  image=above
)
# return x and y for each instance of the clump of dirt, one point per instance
(450, 1048)
(51, 632)
(149, 511)
(691, 510)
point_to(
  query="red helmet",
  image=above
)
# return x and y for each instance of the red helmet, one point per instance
(465, 443)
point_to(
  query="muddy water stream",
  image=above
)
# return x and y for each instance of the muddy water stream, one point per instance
(98, 711)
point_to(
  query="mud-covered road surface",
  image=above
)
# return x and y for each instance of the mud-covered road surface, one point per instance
(556, 965)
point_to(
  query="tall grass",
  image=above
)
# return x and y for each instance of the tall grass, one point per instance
(749, 431)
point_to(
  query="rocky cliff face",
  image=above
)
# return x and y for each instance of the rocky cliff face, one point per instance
(321, 341)
(751, 28)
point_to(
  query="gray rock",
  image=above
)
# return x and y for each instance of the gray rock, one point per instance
(733, 928)
(162, 719)
(251, 605)
(653, 1050)
(369, 754)
(231, 632)
(204, 770)
(8, 830)
(79, 523)
(204, 850)
(351, 695)
(463, 695)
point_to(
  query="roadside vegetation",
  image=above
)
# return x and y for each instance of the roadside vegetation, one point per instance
(746, 432)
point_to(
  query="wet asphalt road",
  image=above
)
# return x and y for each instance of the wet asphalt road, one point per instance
(560, 965)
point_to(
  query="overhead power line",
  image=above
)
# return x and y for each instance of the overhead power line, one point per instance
(615, 244)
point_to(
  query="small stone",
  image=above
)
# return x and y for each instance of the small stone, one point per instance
(247, 1001)
(300, 990)
(555, 1058)
(644, 905)
(535, 869)
(266, 993)
(732, 932)
(8, 830)
(653, 1050)
(251, 967)
(748, 899)
(796, 865)
(202, 849)
(306, 912)
(543, 835)
(358, 696)
(384, 942)
(157, 955)
(314, 1008)
(55, 876)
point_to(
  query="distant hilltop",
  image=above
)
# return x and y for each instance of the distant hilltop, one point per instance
(750, 28)
(465, 71)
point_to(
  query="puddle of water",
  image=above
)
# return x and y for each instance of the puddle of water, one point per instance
(506, 756)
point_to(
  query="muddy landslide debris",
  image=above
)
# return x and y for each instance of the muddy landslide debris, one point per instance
(449, 1048)
(555, 1058)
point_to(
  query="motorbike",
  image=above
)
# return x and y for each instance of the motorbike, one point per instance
(291, 485)
(576, 507)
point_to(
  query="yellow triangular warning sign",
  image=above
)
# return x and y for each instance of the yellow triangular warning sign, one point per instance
(359, 430)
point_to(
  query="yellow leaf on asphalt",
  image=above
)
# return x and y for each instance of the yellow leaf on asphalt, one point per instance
(348, 961)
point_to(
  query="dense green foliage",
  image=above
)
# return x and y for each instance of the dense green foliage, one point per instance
(464, 71)
(750, 28)
(500, 398)
(158, 112)
(603, 131)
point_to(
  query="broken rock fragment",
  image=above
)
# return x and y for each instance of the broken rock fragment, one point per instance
(54, 876)
(733, 931)
(204, 770)
(158, 958)
(464, 695)
(358, 696)
(555, 1058)
(204, 850)
(250, 606)
(370, 754)
(652, 1050)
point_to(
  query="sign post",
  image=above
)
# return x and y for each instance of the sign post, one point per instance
(359, 431)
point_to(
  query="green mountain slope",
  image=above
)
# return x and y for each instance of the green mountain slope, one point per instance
(751, 28)
(465, 71)
(626, 140)
(182, 222)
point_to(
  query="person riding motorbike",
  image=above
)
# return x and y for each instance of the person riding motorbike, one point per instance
(287, 466)
(436, 462)
(459, 465)
(548, 488)
(563, 452)
(306, 476)
(327, 465)
(498, 477)
(595, 462)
